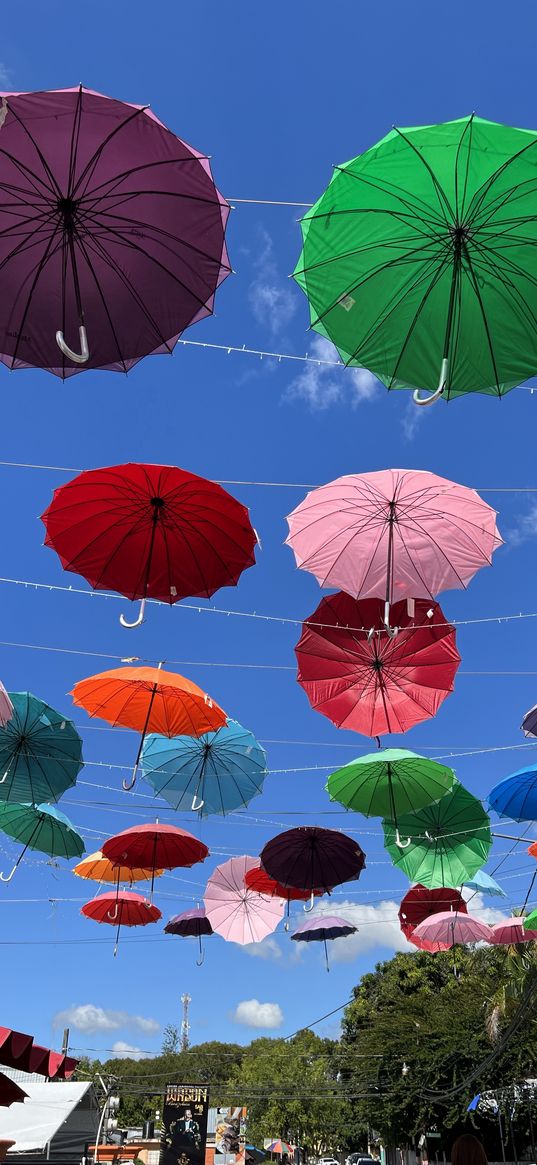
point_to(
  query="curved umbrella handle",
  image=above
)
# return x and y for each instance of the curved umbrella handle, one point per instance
(429, 400)
(138, 621)
(201, 960)
(112, 914)
(399, 841)
(308, 909)
(5, 777)
(195, 808)
(391, 631)
(428, 836)
(81, 357)
(8, 877)
(128, 785)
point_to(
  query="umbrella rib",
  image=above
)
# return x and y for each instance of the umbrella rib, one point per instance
(96, 156)
(485, 189)
(75, 138)
(487, 261)
(478, 296)
(469, 126)
(397, 191)
(439, 190)
(38, 272)
(102, 298)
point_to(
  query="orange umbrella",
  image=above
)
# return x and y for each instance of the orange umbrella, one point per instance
(148, 699)
(532, 849)
(100, 869)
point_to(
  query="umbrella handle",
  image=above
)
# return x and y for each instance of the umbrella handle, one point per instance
(112, 914)
(8, 877)
(195, 808)
(5, 777)
(81, 357)
(399, 841)
(308, 909)
(391, 631)
(201, 960)
(128, 785)
(138, 621)
(429, 400)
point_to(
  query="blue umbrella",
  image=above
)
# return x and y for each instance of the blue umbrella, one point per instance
(40, 752)
(485, 885)
(516, 796)
(213, 773)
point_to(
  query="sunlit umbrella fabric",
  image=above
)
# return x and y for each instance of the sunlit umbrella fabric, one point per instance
(213, 773)
(449, 840)
(234, 911)
(40, 752)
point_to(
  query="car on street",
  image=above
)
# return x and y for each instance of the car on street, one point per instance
(360, 1159)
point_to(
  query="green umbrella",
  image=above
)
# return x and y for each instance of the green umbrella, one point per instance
(530, 921)
(389, 783)
(420, 260)
(40, 827)
(450, 840)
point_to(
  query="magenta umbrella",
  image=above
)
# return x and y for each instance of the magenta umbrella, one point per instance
(512, 931)
(111, 233)
(396, 533)
(451, 927)
(238, 914)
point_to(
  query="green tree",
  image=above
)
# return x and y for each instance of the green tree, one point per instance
(171, 1040)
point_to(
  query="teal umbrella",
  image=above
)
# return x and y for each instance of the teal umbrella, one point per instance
(40, 752)
(40, 827)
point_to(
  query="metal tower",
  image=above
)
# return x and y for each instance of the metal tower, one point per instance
(185, 1026)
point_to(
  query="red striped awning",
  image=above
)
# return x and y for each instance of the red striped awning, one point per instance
(17, 1050)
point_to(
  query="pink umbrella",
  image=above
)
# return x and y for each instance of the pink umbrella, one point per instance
(450, 927)
(396, 533)
(238, 914)
(6, 707)
(512, 931)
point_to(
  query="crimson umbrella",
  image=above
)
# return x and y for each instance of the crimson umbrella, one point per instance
(124, 908)
(257, 879)
(311, 858)
(109, 223)
(420, 903)
(512, 931)
(155, 847)
(150, 531)
(361, 678)
(190, 924)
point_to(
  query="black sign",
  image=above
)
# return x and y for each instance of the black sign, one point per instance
(184, 1125)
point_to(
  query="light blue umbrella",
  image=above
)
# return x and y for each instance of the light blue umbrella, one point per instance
(213, 773)
(485, 885)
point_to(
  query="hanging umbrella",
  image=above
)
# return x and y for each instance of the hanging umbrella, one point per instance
(97, 868)
(484, 884)
(450, 840)
(123, 909)
(321, 928)
(155, 847)
(515, 930)
(453, 927)
(10, 1093)
(418, 260)
(109, 223)
(190, 924)
(238, 914)
(516, 796)
(389, 782)
(150, 531)
(361, 678)
(258, 879)
(419, 904)
(312, 858)
(213, 773)
(40, 752)
(148, 699)
(532, 849)
(529, 723)
(280, 1147)
(6, 706)
(397, 533)
(39, 827)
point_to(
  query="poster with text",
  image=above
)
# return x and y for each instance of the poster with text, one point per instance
(184, 1124)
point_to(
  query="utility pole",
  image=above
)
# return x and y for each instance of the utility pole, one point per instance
(185, 1025)
(65, 1041)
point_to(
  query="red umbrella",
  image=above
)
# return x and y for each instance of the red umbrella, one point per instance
(10, 1092)
(257, 879)
(150, 531)
(155, 847)
(353, 672)
(420, 903)
(124, 908)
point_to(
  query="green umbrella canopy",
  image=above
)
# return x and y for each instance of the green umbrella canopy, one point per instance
(419, 261)
(40, 752)
(449, 840)
(40, 827)
(530, 921)
(389, 783)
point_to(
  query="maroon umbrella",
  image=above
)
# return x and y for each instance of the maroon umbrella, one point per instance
(10, 1092)
(420, 903)
(109, 223)
(311, 858)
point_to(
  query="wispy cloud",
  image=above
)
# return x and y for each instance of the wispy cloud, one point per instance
(89, 1017)
(321, 385)
(525, 528)
(270, 295)
(268, 949)
(413, 416)
(6, 80)
(129, 1051)
(378, 926)
(252, 1013)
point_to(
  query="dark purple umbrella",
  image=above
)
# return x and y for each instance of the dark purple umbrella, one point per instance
(529, 723)
(190, 924)
(108, 222)
(321, 928)
(311, 858)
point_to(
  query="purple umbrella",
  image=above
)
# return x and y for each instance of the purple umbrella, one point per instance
(109, 223)
(190, 924)
(321, 928)
(311, 858)
(529, 723)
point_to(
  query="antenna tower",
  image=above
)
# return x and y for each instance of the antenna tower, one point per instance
(185, 1025)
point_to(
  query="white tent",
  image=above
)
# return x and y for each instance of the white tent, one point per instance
(61, 1115)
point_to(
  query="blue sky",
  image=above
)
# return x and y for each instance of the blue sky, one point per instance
(276, 95)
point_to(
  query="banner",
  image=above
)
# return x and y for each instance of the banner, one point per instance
(230, 1133)
(184, 1125)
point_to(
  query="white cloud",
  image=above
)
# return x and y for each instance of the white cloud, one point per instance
(88, 1017)
(271, 296)
(252, 1013)
(6, 81)
(476, 905)
(129, 1051)
(525, 529)
(413, 416)
(323, 385)
(268, 949)
(378, 926)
